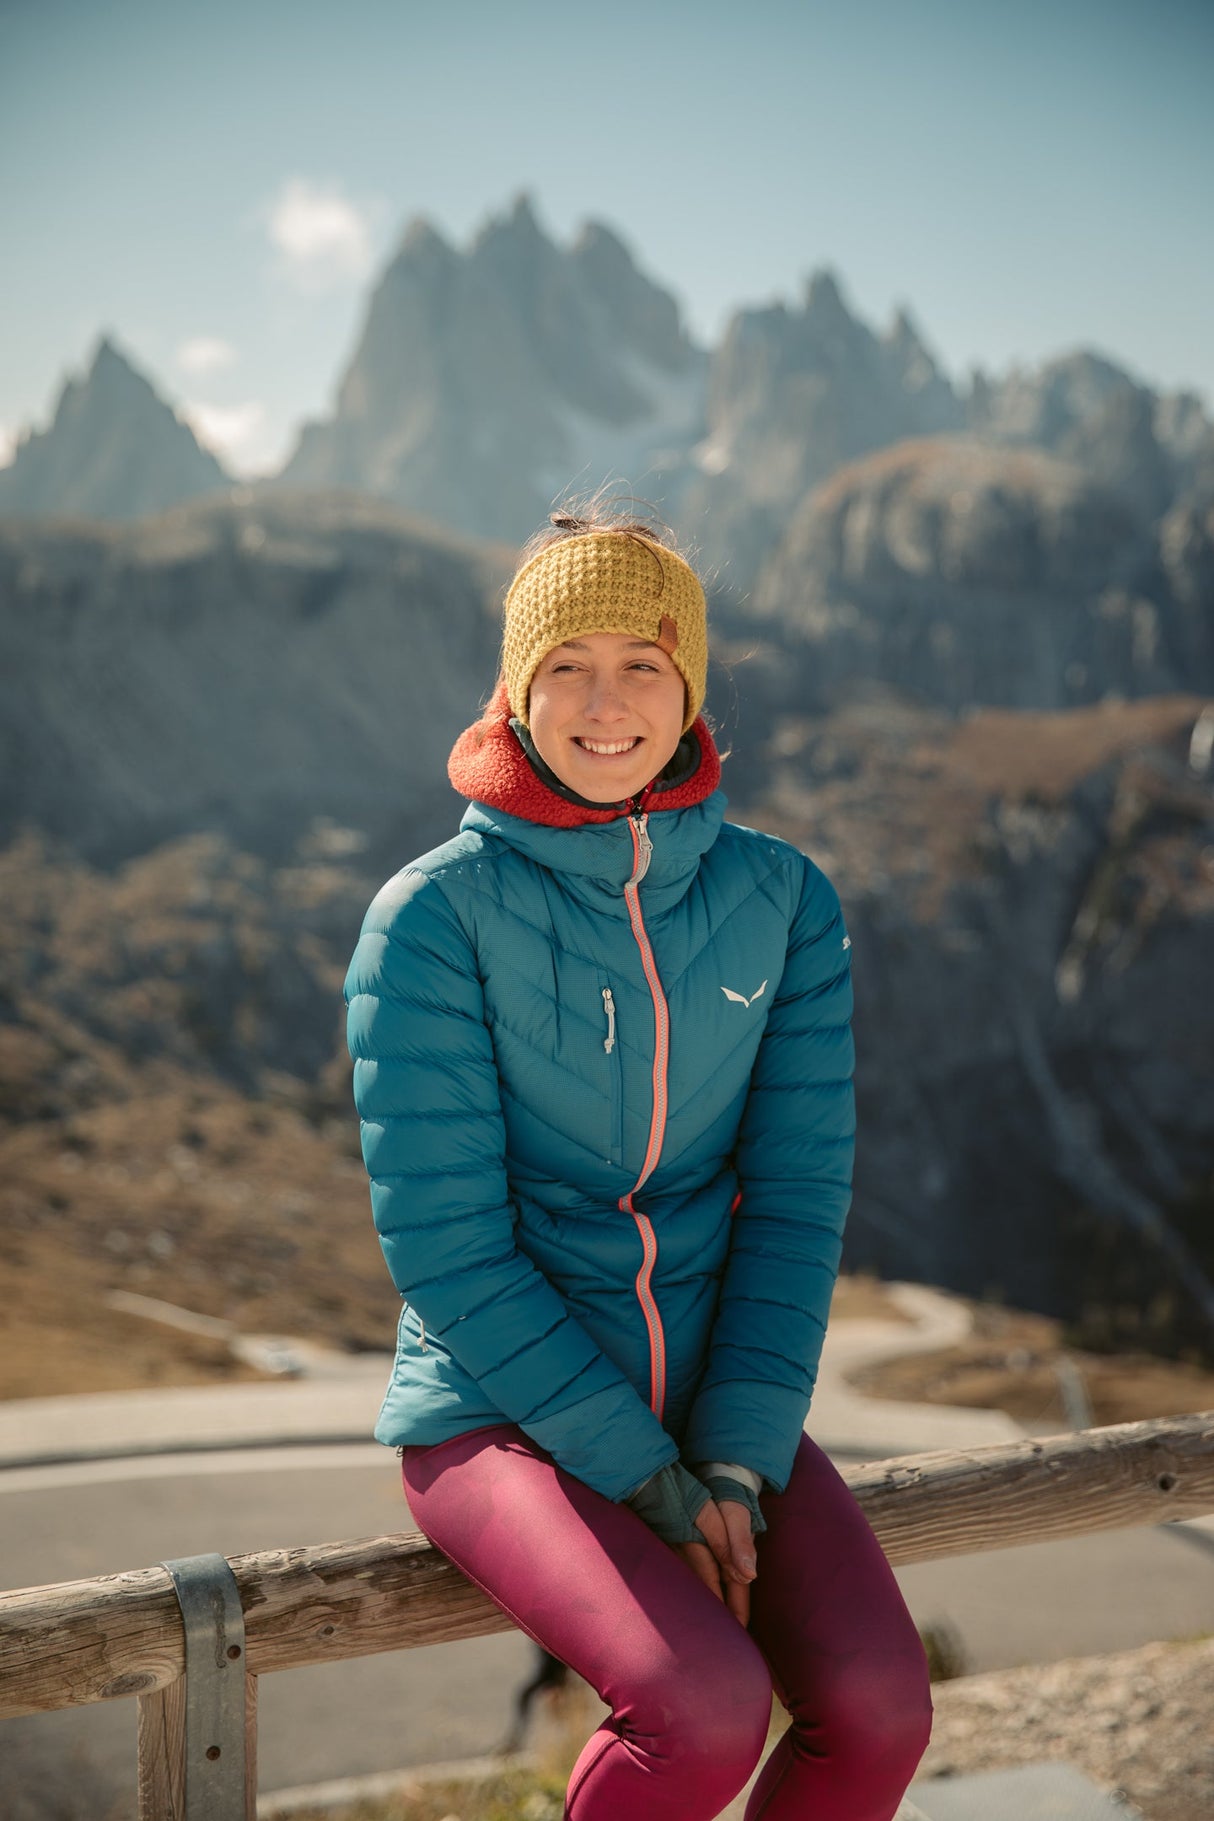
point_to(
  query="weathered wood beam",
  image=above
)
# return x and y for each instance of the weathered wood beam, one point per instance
(928, 1506)
(116, 1635)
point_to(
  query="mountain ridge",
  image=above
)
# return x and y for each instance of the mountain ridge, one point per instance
(488, 381)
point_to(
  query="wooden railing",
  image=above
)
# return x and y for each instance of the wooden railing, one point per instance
(128, 1635)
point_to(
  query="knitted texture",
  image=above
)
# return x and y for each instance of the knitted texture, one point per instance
(605, 581)
(488, 765)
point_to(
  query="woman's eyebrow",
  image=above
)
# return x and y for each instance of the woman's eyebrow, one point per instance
(632, 645)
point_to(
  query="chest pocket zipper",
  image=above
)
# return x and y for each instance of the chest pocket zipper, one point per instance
(615, 1130)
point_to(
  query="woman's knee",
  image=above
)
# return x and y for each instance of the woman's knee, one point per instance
(879, 1714)
(710, 1716)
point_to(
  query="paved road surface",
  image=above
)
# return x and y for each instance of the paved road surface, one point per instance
(1095, 1594)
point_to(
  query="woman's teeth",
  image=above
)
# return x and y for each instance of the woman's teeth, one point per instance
(607, 746)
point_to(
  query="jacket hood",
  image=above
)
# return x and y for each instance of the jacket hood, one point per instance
(592, 848)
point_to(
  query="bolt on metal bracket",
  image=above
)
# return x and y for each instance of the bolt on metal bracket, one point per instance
(215, 1674)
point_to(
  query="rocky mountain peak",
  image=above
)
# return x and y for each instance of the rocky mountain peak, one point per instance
(512, 371)
(1088, 410)
(422, 240)
(644, 316)
(917, 375)
(826, 312)
(518, 230)
(115, 449)
(905, 340)
(522, 217)
(595, 239)
(111, 372)
(1042, 404)
(108, 360)
(794, 394)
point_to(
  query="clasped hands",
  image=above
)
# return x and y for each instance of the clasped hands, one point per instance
(711, 1522)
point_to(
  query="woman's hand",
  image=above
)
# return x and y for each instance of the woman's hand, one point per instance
(726, 1561)
(714, 1536)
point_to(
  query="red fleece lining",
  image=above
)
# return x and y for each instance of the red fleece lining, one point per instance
(488, 764)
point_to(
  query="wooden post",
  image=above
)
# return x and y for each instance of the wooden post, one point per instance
(161, 1752)
(197, 1748)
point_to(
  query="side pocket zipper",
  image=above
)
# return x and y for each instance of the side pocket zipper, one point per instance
(400, 1327)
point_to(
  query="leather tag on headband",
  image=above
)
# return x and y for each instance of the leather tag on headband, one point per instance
(668, 635)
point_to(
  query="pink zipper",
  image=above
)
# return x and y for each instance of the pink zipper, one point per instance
(642, 850)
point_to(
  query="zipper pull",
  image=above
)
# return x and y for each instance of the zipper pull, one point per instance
(644, 847)
(609, 1008)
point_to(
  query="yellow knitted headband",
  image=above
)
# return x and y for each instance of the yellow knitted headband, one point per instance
(604, 581)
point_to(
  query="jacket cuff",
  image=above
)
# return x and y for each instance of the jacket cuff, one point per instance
(730, 1470)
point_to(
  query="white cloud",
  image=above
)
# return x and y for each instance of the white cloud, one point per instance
(232, 432)
(8, 444)
(205, 354)
(322, 238)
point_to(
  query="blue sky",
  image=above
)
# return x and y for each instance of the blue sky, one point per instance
(218, 185)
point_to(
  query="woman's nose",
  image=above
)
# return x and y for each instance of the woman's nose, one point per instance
(606, 701)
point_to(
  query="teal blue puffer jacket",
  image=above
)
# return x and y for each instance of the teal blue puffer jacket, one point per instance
(609, 1132)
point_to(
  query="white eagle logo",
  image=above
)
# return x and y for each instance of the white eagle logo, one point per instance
(740, 998)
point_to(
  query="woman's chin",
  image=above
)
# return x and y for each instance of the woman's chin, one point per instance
(603, 782)
(604, 798)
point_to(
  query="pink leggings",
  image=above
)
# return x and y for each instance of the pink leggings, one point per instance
(689, 1690)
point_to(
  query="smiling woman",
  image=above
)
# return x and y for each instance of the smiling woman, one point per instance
(603, 1060)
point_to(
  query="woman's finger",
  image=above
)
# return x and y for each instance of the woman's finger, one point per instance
(703, 1565)
(737, 1598)
(711, 1526)
(736, 1518)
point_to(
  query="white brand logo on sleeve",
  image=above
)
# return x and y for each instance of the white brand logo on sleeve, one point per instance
(740, 998)
(847, 941)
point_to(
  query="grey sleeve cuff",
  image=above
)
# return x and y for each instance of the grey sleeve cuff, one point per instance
(730, 1470)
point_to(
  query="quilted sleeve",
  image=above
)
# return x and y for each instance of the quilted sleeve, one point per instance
(427, 1093)
(794, 1161)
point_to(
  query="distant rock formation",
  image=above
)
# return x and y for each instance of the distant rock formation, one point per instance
(1089, 411)
(115, 450)
(1031, 903)
(794, 394)
(487, 383)
(963, 572)
(240, 666)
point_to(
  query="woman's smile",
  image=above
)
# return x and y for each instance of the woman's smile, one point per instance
(606, 749)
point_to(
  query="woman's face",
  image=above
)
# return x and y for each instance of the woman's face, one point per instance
(606, 714)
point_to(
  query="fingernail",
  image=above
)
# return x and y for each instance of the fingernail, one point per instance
(748, 1563)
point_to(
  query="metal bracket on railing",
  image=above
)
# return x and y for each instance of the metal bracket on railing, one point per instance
(214, 1687)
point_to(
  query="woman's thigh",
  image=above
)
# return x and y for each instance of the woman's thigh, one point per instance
(584, 1577)
(689, 1691)
(825, 1589)
(844, 1653)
